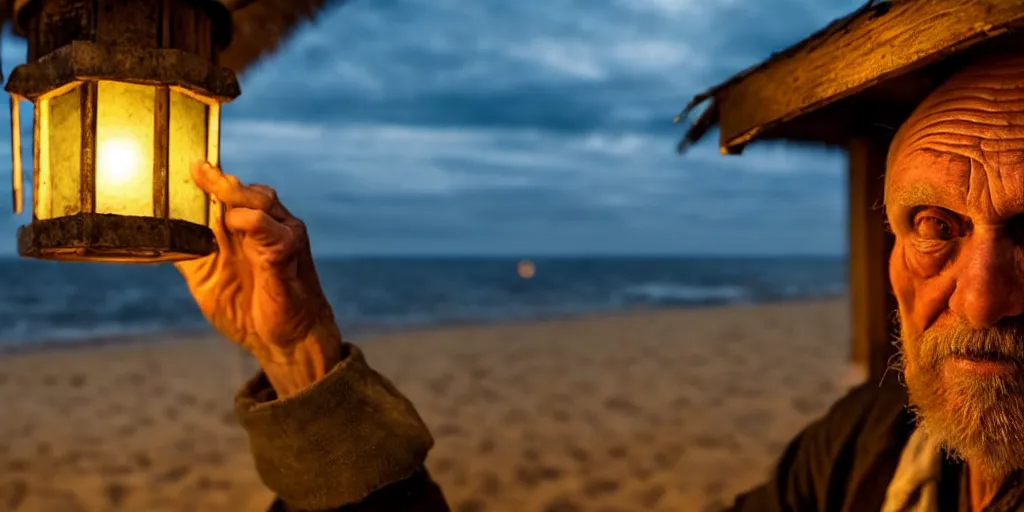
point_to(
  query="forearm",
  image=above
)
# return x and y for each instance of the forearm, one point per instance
(305, 363)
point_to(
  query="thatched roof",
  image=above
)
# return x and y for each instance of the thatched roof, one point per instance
(863, 72)
(259, 26)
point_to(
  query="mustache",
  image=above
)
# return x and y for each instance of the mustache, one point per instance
(1001, 342)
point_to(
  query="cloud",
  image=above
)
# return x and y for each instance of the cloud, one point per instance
(456, 126)
(507, 190)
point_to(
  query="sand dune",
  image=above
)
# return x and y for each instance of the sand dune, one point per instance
(649, 411)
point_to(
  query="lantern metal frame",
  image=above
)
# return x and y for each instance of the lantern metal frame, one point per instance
(115, 41)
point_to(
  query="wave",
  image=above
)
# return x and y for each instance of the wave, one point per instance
(671, 293)
(46, 302)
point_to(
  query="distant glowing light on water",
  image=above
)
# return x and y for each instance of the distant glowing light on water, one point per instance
(526, 269)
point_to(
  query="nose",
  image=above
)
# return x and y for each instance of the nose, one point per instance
(989, 281)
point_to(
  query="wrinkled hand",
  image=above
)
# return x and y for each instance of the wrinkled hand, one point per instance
(260, 289)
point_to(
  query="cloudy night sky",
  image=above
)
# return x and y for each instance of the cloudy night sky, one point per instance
(523, 128)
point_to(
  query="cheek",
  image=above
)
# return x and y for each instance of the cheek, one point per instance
(922, 297)
(903, 288)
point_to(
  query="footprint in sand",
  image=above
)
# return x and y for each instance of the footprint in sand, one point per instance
(486, 446)
(600, 487)
(14, 494)
(172, 475)
(44, 449)
(171, 413)
(142, 460)
(578, 454)
(669, 456)
(533, 475)
(447, 430)
(531, 454)
(563, 505)
(651, 496)
(618, 451)
(490, 484)
(116, 493)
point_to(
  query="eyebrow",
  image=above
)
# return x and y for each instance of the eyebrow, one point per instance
(922, 193)
(916, 194)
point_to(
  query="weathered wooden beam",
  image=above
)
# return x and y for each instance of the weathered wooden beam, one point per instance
(871, 300)
(873, 45)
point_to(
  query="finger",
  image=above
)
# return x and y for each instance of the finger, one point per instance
(202, 268)
(258, 225)
(264, 189)
(216, 223)
(277, 210)
(229, 190)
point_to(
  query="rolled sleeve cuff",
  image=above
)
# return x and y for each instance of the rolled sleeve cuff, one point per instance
(335, 442)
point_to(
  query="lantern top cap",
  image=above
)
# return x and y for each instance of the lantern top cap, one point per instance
(861, 75)
(86, 61)
(218, 13)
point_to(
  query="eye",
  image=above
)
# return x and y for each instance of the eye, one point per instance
(933, 227)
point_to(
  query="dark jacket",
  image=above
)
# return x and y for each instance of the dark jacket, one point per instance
(353, 443)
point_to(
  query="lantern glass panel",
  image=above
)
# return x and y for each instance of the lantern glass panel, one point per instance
(187, 145)
(213, 153)
(125, 124)
(213, 156)
(60, 164)
(41, 195)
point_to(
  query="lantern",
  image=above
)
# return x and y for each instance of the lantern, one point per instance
(126, 96)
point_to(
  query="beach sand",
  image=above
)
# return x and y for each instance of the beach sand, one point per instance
(673, 410)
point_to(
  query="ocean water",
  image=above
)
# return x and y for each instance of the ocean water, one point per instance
(46, 302)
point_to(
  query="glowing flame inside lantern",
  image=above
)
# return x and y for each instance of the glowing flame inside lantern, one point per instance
(118, 162)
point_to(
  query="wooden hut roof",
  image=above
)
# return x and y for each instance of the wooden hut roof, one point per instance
(865, 71)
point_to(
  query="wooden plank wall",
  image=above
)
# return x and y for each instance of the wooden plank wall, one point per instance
(871, 300)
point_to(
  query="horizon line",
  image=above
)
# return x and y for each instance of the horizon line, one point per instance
(550, 256)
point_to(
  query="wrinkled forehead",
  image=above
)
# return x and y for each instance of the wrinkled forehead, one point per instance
(976, 116)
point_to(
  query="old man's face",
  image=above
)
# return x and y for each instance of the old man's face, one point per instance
(955, 201)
